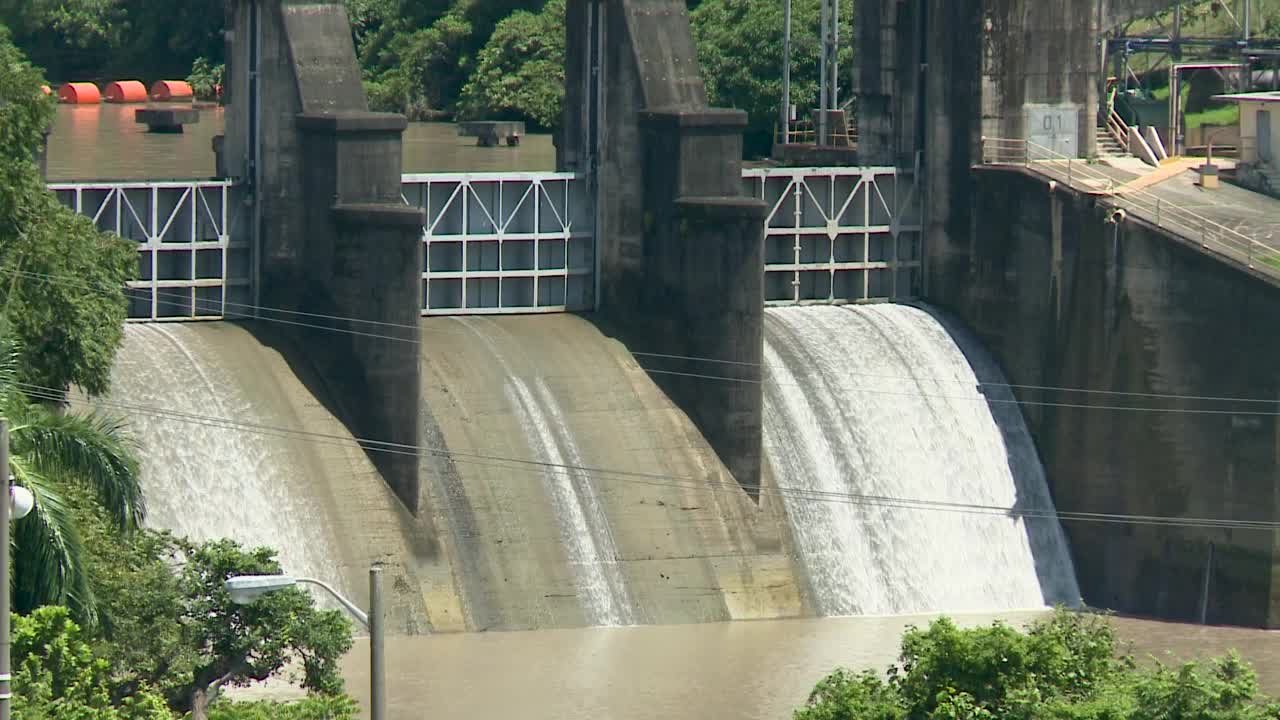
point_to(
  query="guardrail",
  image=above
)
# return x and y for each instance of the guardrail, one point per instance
(1082, 175)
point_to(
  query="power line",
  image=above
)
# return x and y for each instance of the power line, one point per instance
(529, 466)
(707, 376)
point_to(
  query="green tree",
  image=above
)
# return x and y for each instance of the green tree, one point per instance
(206, 78)
(74, 39)
(173, 626)
(338, 707)
(740, 49)
(61, 281)
(1063, 668)
(57, 675)
(520, 72)
(61, 457)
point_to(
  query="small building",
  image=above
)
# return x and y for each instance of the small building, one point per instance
(1259, 135)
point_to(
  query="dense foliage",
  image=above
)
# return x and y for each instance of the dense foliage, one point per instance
(520, 72)
(501, 59)
(740, 48)
(173, 640)
(61, 281)
(116, 39)
(1063, 668)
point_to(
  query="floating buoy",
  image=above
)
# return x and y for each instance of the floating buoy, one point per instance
(126, 91)
(169, 90)
(79, 93)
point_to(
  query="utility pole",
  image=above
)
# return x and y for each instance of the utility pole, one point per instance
(377, 648)
(823, 78)
(786, 71)
(6, 679)
(833, 64)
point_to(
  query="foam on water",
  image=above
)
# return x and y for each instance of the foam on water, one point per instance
(208, 482)
(872, 406)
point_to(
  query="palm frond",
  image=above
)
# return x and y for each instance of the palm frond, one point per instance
(92, 450)
(48, 552)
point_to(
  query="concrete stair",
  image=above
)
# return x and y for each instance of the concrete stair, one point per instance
(1107, 144)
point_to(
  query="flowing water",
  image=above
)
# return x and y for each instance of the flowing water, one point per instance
(584, 528)
(881, 403)
(206, 479)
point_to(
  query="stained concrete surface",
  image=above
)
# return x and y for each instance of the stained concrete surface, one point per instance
(692, 546)
(1065, 300)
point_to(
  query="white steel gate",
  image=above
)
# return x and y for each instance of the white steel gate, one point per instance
(839, 234)
(189, 266)
(505, 242)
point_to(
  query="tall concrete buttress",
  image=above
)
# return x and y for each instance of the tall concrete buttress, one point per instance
(332, 238)
(934, 77)
(679, 247)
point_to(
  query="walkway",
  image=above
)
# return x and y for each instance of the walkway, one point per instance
(1241, 226)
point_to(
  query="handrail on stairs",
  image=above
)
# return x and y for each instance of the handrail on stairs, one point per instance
(1080, 175)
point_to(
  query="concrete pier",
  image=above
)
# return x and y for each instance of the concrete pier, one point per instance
(491, 133)
(166, 120)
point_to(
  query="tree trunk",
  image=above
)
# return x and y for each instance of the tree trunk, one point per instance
(200, 699)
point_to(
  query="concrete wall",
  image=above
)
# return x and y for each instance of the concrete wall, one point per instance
(935, 76)
(1063, 299)
(679, 247)
(332, 236)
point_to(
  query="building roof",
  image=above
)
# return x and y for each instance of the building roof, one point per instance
(1266, 97)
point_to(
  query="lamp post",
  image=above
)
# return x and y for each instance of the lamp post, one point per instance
(245, 589)
(21, 501)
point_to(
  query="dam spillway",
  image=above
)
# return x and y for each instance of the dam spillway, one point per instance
(875, 426)
(561, 487)
(233, 444)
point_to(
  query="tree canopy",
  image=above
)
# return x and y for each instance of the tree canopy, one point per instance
(61, 281)
(1065, 668)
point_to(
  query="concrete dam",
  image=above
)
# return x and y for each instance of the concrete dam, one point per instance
(561, 487)
(730, 426)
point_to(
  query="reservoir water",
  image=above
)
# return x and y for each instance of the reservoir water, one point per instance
(745, 670)
(102, 142)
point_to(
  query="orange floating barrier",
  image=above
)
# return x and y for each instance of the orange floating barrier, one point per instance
(169, 90)
(126, 91)
(79, 93)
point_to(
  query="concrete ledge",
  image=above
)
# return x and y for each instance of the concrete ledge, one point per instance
(377, 214)
(489, 133)
(808, 155)
(166, 120)
(351, 121)
(718, 118)
(721, 207)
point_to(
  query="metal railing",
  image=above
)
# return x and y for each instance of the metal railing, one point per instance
(1119, 129)
(1079, 174)
(505, 242)
(804, 133)
(839, 234)
(189, 268)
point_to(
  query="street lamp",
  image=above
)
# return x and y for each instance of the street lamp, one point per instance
(20, 504)
(246, 589)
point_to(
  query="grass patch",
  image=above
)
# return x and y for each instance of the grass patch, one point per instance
(1226, 115)
(1272, 261)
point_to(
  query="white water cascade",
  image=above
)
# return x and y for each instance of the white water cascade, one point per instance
(205, 481)
(877, 408)
(584, 528)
